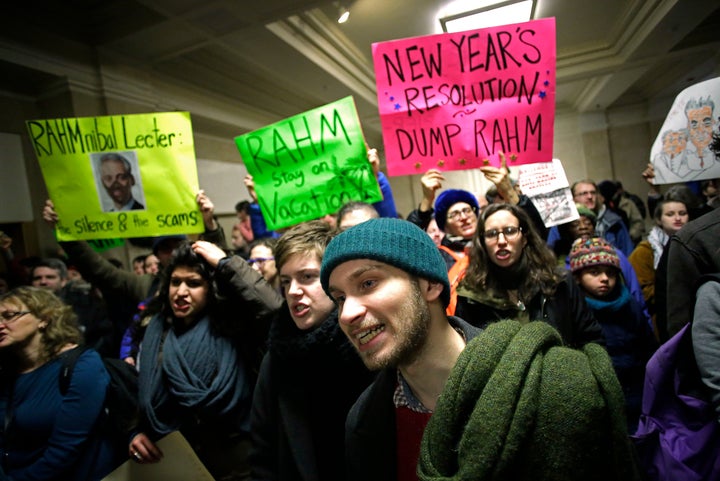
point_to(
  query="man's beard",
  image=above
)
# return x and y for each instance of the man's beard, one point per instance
(411, 337)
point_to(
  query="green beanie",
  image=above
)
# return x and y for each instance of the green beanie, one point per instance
(396, 242)
(584, 211)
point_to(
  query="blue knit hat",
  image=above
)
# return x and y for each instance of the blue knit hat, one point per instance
(396, 242)
(449, 198)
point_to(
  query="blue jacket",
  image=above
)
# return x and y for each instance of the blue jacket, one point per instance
(610, 227)
(55, 437)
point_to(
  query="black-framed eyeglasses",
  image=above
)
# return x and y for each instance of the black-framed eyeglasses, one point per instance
(8, 317)
(260, 260)
(466, 211)
(510, 232)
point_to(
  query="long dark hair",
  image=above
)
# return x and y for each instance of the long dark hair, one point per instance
(184, 256)
(541, 263)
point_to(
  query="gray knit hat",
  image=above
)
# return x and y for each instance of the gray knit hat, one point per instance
(396, 242)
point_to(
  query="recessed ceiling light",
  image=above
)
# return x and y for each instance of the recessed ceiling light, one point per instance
(486, 14)
(344, 14)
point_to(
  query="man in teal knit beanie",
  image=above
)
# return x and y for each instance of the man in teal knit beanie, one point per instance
(391, 288)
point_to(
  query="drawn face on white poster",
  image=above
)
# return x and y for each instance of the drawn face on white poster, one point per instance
(681, 151)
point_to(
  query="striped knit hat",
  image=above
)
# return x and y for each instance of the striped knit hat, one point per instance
(396, 242)
(592, 251)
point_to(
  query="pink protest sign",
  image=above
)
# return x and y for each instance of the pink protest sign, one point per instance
(453, 101)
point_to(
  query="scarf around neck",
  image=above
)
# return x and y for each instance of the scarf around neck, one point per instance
(612, 305)
(657, 239)
(326, 341)
(192, 372)
(511, 277)
(518, 405)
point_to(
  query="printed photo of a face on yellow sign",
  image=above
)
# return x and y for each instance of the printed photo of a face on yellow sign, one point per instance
(121, 175)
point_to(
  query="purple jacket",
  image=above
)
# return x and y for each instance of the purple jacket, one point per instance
(678, 437)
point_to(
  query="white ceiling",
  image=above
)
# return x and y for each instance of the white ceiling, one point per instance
(247, 63)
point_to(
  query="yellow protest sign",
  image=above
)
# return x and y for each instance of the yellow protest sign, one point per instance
(120, 175)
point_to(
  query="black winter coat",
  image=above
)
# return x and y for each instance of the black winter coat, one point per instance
(307, 384)
(565, 310)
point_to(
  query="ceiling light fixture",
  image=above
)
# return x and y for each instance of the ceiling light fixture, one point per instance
(488, 14)
(343, 14)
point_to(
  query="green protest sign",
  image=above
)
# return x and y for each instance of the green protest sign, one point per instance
(119, 176)
(309, 165)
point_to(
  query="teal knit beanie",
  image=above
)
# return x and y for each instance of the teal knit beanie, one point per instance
(396, 242)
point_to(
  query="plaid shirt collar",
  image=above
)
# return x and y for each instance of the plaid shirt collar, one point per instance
(404, 397)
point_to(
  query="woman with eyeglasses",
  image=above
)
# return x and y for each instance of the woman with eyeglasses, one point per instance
(45, 434)
(513, 275)
(262, 259)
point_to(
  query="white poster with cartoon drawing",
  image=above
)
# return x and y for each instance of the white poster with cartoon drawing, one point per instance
(681, 151)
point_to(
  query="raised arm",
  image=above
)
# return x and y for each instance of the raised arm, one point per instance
(385, 207)
(431, 182)
(238, 281)
(213, 231)
(98, 270)
(500, 176)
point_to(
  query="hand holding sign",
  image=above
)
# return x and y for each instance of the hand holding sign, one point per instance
(500, 176)
(49, 215)
(374, 159)
(207, 209)
(143, 450)
(649, 175)
(431, 182)
(250, 184)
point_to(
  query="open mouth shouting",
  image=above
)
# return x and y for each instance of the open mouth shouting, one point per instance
(502, 255)
(180, 307)
(299, 310)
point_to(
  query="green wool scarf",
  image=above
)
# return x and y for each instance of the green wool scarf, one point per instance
(520, 406)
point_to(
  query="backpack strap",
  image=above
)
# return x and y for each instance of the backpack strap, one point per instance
(69, 359)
